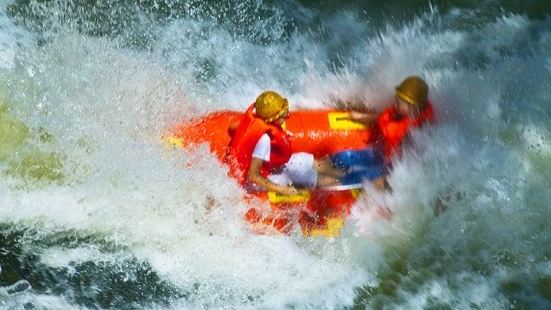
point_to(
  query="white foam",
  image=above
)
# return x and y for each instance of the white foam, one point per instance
(68, 258)
(107, 106)
(8, 40)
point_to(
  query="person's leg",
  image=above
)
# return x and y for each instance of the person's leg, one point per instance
(371, 173)
(327, 174)
(325, 167)
(380, 183)
(324, 180)
(357, 158)
(300, 170)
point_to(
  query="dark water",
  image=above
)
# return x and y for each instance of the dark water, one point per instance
(96, 213)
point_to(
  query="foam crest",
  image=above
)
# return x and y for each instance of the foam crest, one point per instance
(104, 104)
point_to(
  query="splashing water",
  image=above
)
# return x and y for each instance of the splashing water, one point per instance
(97, 213)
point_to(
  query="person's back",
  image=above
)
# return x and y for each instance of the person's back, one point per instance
(260, 156)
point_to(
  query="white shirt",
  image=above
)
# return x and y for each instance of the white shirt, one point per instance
(298, 170)
(263, 148)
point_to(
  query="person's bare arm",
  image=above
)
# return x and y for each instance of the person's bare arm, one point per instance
(257, 178)
(361, 117)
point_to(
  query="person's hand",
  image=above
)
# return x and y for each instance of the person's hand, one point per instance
(288, 190)
(356, 116)
(365, 118)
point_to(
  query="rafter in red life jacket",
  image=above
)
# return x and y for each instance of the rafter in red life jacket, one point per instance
(244, 139)
(393, 129)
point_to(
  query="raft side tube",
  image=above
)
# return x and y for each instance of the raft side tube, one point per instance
(321, 212)
(319, 132)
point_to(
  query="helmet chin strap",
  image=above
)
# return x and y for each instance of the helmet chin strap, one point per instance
(413, 90)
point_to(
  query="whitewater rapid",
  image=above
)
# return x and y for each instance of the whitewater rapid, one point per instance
(102, 214)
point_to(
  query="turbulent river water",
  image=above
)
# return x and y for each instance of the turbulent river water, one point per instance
(95, 212)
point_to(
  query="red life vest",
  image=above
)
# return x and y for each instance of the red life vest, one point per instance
(244, 139)
(393, 129)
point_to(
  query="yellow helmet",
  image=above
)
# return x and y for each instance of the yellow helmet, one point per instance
(270, 106)
(413, 90)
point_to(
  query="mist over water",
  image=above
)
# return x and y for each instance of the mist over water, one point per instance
(95, 212)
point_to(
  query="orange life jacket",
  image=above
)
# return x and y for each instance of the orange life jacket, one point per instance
(244, 139)
(393, 129)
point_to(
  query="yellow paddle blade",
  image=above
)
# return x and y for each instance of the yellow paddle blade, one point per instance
(171, 141)
(331, 230)
(301, 196)
(339, 120)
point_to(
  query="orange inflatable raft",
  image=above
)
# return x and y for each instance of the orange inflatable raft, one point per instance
(319, 212)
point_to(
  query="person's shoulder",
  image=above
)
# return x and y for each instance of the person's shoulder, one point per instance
(262, 148)
(386, 113)
(264, 139)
